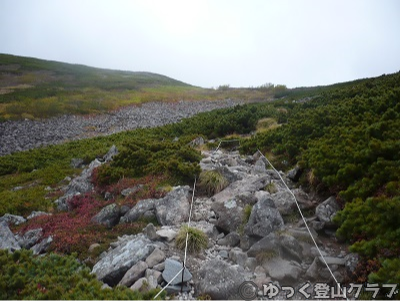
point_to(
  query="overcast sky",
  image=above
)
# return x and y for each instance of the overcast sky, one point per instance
(211, 43)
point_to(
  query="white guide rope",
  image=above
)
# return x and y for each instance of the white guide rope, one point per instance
(304, 220)
(186, 245)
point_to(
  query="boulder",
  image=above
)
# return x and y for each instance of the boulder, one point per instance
(108, 216)
(131, 190)
(12, 219)
(269, 243)
(42, 247)
(290, 248)
(150, 231)
(264, 219)
(172, 268)
(155, 257)
(294, 174)
(83, 184)
(116, 262)
(144, 284)
(139, 210)
(113, 151)
(134, 273)
(30, 238)
(229, 215)
(231, 240)
(7, 239)
(282, 270)
(36, 214)
(238, 256)
(284, 202)
(174, 208)
(260, 166)
(79, 185)
(219, 280)
(326, 211)
(167, 234)
(76, 162)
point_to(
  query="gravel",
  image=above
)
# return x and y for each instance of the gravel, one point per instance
(28, 134)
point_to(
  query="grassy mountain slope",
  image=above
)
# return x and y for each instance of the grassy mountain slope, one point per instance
(34, 88)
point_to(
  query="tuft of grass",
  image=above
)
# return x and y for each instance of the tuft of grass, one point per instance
(246, 213)
(212, 182)
(265, 256)
(197, 239)
(271, 188)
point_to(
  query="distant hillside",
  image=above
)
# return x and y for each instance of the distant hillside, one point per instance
(16, 71)
(33, 88)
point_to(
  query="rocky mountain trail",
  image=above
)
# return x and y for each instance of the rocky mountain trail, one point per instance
(28, 134)
(252, 225)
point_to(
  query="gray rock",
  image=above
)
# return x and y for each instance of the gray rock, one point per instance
(131, 190)
(229, 215)
(113, 151)
(150, 231)
(134, 273)
(143, 285)
(173, 209)
(238, 256)
(156, 275)
(27, 134)
(284, 202)
(30, 238)
(36, 214)
(318, 271)
(290, 248)
(159, 267)
(231, 240)
(294, 174)
(326, 211)
(224, 254)
(172, 268)
(108, 216)
(7, 239)
(42, 247)
(197, 141)
(82, 184)
(139, 210)
(260, 166)
(79, 185)
(116, 262)
(167, 234)
(282, 270)
(12, 219)
(176, 289)
(251, 263)
(351, 262)
(264, 219)
(76, 162)
(219, 280)
(155, 257)
(269, 243)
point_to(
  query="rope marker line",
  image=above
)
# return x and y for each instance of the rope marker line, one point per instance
(304, 220)
(186, 245)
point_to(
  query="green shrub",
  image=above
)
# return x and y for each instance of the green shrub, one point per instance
(25, 276)
(212, 182)
(197, 240)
